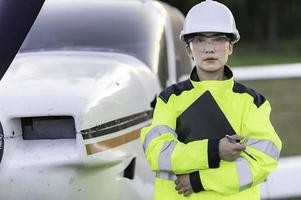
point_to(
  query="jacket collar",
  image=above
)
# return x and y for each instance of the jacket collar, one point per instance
(213, 84)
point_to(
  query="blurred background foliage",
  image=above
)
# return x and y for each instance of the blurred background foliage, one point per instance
(270, 33)
(270, 30)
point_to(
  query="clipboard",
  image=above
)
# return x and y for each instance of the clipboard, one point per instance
(203, 119)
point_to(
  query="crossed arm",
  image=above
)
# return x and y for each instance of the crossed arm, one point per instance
(201, 163)
(227, 152)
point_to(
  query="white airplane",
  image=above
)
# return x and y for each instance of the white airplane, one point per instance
(77, 94)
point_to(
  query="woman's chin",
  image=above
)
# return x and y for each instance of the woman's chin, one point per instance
(211, 68)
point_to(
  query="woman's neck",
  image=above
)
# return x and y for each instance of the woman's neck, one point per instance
(205, 75)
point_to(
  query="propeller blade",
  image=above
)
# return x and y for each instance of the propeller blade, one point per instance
(16, 19)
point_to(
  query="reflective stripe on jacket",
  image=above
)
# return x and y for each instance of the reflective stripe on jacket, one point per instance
(189, 119)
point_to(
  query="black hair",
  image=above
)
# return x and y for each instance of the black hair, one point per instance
(188, 37)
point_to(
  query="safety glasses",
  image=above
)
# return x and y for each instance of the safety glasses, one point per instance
(216, 40)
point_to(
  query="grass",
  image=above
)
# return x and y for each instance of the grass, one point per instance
(286, 51)
(285, 98)
(254, 58)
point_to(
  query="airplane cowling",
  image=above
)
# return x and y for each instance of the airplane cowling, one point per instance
(94, 88)
(91, 87)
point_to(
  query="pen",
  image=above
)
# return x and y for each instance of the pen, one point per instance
(234, 142)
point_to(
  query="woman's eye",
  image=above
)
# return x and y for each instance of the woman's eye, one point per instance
(220, 39)
(199, 40)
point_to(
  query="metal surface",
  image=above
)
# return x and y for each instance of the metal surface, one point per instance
(67, 76)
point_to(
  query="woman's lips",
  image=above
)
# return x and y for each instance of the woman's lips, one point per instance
(210, 59)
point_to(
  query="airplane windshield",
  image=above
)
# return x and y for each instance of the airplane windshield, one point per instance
(126, 28)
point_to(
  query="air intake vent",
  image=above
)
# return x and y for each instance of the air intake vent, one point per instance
(54, 127)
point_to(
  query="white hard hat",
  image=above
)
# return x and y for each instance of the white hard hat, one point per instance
(210, 16)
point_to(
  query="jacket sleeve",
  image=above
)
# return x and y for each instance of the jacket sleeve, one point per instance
(264, 145)
(163, 150)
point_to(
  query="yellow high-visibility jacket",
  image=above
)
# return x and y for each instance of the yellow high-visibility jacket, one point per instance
(189, 119)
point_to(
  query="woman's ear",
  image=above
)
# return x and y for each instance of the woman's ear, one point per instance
(230, 49)
(188, 51)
